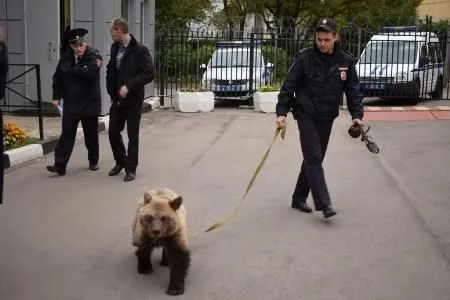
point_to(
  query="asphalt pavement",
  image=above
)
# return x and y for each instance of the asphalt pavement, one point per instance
(70, 237)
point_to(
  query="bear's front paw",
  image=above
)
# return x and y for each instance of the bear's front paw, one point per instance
(145, 269)
(164, 262)
(175, 290)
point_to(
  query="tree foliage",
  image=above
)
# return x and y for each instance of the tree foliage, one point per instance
(178, 14)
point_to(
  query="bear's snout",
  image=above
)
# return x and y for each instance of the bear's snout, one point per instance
(156, 232)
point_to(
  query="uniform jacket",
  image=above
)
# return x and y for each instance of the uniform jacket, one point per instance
(136, 70)
(3, 75)
(3, 68)
(78, 84)
(316, 82)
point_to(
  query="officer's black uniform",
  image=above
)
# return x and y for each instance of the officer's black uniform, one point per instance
(135, 70)
(318, 81)
(77, 82)
(4, 68)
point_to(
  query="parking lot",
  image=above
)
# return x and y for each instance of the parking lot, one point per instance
(70, 237)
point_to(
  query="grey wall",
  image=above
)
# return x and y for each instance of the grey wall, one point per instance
(13, 22)
(42, 42)
(34, 39)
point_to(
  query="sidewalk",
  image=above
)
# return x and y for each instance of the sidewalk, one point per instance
(52, 130)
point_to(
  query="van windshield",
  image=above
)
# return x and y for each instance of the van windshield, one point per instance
(235, 58)
(390, 52)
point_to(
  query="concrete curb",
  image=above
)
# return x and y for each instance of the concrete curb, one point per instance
(30, 152)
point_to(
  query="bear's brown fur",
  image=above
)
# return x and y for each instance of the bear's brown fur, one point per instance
(160, 221)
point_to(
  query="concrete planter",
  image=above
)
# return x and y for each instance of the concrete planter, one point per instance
(265, 101)
(194, 101)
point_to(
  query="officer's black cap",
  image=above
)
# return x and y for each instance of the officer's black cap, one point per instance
(329, 25)
(77, 35)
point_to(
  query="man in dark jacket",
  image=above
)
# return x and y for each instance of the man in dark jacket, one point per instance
(130, 68)
(4, 67)
(312, 91)
(76, 83)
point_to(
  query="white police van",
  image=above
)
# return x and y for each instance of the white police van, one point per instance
(229, 70)
(401, 62)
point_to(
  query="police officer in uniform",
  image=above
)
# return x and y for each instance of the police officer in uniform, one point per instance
(312, 91)
(76, 81)
(4, 68)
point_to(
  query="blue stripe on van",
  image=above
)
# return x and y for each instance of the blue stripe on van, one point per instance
(429, 67)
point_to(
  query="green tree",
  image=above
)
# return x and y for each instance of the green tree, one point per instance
(178, 14)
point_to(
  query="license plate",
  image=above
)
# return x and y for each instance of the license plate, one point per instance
(229, 88)
(374, 86)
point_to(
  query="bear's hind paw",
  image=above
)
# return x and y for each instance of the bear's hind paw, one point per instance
(145, 270)
(175, 291)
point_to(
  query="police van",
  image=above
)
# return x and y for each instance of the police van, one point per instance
(230, 69)
(401, 62)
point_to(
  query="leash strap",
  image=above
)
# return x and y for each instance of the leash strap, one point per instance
(225, 220)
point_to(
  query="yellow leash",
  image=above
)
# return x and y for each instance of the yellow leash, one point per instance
(222, 222)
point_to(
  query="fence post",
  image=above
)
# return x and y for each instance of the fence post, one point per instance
(447, 61)
(252, 54)
(39, 99)
(161, 67)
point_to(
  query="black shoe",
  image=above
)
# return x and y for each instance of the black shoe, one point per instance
(116, 170)
(328, 212)
(302, 207)
(57, 169)
(93, 167)
(129, 176)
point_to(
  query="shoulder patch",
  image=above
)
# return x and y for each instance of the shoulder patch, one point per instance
(303, 51)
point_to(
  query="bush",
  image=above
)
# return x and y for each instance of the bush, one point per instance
(14, 137)
(279, 58)
(270, 88)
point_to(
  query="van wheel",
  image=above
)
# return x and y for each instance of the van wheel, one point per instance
(416, 92)
(250, 101)
(437, 93)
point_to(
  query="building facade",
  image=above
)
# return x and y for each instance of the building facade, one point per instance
(438, 9)
(34, 30)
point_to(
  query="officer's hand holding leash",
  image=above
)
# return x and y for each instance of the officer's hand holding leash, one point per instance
(357, 130)
(281, 121)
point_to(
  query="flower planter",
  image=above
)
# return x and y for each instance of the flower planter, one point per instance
(265, 101)
(194, 101)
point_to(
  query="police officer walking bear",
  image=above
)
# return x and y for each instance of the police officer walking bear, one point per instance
(311, 91)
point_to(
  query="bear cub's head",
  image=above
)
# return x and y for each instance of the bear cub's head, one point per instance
(158, 216)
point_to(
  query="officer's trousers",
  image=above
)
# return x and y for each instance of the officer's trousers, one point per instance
(66, 141)
(314, 137)
(118, 116)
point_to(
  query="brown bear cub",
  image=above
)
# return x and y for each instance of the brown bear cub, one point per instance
(160, 221)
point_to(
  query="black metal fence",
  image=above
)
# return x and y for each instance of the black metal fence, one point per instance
(392, 62)
(11, 85)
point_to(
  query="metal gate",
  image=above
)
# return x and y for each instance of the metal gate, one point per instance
(234, 66)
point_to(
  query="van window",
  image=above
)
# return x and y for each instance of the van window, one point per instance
(235, 58)
(389, 52)
(439, 55)
(424, 51)
(432, 52)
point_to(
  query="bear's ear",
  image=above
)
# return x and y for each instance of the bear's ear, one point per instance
(147, 198)
(175, 203)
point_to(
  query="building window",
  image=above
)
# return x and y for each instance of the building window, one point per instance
(124, 8)
(142, 20)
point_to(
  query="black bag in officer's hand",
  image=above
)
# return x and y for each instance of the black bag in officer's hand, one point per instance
(355, 131)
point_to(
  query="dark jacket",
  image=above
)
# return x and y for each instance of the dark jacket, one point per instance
(78, 84)
(4, 67)
(136, 70)
(316, 82)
